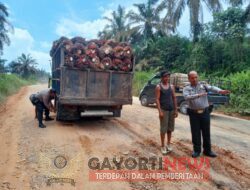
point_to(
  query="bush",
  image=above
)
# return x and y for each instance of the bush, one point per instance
(241, 92)
(9, 84)
(139, 80)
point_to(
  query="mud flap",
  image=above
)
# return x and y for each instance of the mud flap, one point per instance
(67, 113)
(117, 113)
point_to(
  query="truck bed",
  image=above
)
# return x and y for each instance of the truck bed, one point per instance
(89, 87)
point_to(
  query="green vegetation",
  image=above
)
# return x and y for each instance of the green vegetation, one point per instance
(240, 90)
(24, 66)
(116, 29)
(223, 48)
(10, 83)
(23, 72)
(240, 93)
(140, 79)
(5, 27)
(218, 49)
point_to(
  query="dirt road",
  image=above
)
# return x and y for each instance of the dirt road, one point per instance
(29, 154)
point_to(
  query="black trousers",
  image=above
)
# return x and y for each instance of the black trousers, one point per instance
(200, 125)
(39, 108)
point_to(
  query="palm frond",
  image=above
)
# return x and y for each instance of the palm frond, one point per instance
(213, 5)
(108, 19)
(246, 15)
(194, 18)
(160, 8)
(181, 4)
(3, 10)
(135, 18)
(5, 26)
(152, 2)
(235, 2)
(142, 9)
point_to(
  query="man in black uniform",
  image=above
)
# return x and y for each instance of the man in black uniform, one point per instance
(42, 101)
(199, 116)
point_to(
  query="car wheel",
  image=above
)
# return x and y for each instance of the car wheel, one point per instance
(144, 100)
(183, 107)
(210, 109)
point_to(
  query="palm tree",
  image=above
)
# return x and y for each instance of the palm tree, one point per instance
(147, 20)
(4, 26)
(105, 34)
(24, 65)
(195, 10)
(236, 2)
(2, 65)
(117, 27)
(246, 16)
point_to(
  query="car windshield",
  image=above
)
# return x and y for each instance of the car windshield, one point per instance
(155, 80)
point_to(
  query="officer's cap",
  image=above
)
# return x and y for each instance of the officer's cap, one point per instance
(53, 90)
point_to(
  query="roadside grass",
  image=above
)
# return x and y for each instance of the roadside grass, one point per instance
(139, 80)
(240, 94)
(10, 83)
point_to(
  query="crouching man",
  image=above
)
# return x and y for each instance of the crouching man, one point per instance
(42, 102)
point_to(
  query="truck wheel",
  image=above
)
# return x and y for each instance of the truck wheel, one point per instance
(58, 112)
(65, 113)
(183, 107)
(117, 113)
(144, 100)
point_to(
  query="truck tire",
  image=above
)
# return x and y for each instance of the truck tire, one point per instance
(58, 112)
(64, 114)
(183, 107)
(117, 113)
(144, 100)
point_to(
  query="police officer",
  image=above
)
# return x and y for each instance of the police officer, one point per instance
(199, 116)
(42, 101)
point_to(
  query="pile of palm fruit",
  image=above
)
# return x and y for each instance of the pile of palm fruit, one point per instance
(95, 54)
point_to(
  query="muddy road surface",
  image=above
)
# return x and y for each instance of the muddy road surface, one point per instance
(57, 157)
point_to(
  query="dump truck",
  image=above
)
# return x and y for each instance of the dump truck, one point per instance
(179, 80)
(88, 92)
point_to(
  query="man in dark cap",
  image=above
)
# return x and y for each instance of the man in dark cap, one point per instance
(167, 107)
(42, 101)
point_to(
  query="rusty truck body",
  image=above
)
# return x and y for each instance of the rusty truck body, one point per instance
(88, 92)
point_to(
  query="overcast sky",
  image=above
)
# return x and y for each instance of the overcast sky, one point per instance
(38, 23)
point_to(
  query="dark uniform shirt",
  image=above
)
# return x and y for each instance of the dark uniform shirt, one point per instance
(44, 96)
(191, 94)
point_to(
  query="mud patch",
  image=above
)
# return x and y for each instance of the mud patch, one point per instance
(85, 143)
